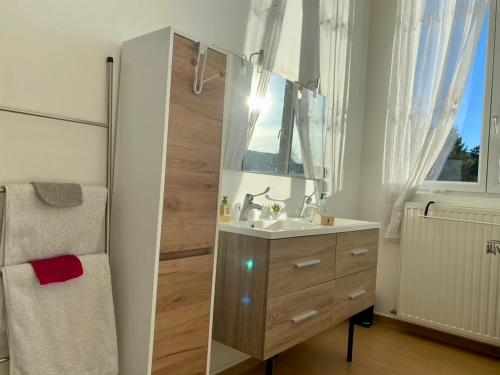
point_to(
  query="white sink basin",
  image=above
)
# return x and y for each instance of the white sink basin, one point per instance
(277, 225)
(293, 227)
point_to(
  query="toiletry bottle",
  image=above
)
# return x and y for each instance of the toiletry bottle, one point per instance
(322, 204)
(225, 210)
(326, 219)
(321, 209)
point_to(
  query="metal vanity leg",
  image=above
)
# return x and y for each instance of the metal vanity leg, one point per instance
(270, 363)
(350, 340)
(363, 319)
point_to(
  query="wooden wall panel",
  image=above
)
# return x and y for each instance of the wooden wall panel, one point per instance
(193, 152)
(183, 305)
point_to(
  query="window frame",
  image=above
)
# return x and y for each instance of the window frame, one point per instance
(487, 171)
(493, 185)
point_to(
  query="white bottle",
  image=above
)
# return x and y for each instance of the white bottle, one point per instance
(322, 204)
(321, 209)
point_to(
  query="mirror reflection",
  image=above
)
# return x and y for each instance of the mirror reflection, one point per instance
(273, 126)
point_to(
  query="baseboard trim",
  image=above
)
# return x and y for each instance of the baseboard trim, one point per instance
(440, 336)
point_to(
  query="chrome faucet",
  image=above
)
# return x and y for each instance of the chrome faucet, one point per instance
(307, 203)
(248, 204)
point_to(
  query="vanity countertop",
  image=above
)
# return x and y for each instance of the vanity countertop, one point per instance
(293, 227)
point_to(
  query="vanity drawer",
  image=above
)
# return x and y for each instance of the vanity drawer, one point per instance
(356, 251)
(300, 262)
(296, 317)
(353, 293)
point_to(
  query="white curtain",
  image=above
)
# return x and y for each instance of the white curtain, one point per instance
(302, 111)
(233, 157)
(311, 117)
(237, 132)
(270, 43)
(335, 18)
(433, 49)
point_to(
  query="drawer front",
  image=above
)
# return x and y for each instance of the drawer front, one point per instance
(356, 251)
(300, 262)
(183, 305)
(296, 317)
(192, 362)
(353, 294)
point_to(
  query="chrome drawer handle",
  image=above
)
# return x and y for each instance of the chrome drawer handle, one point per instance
(357, 294)
(307, 263)
(357, 252)
(304, 317)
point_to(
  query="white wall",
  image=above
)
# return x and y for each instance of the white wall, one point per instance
(343, 204)
(53, 60)
(377, 84)
(346, 202)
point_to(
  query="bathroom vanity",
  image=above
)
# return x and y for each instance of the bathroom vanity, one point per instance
(278, 284)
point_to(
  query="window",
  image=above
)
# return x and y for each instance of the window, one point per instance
(462, 164)
(264, 149)
(289, 135)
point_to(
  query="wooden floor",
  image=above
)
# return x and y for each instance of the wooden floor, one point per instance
(379, 350)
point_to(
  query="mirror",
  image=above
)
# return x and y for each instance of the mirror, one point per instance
(272, 125)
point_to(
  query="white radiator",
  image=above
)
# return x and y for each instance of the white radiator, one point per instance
(450, 270)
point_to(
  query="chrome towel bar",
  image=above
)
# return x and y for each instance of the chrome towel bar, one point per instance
(52, 117)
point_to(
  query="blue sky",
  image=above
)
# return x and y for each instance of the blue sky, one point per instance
(470, 117)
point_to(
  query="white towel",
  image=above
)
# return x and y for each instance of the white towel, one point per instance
(2, 297)
(34, 230)
(61, 329)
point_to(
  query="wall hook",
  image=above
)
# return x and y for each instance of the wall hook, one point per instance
(427, 208)
(260, 59)
(198, 82)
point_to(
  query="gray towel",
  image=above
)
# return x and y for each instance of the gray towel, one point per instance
(59, 195)
(65, 328)
(34, 230)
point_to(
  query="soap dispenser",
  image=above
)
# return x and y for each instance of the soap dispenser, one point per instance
(225, 210)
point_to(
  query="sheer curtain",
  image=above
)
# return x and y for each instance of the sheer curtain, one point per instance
(433, 50)
(243, 124)
(302, 112)
(335, 20)
(238, 134)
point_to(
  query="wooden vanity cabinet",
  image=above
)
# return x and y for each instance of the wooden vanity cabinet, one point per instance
(165, 204)
(273, 294)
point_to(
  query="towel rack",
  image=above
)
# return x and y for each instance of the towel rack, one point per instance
(110, 152)
(110, 145)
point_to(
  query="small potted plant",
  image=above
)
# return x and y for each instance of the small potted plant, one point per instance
(276, 210)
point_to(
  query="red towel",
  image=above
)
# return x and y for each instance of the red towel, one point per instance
(57, 270)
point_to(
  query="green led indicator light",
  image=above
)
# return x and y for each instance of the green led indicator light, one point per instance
(250, 265)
